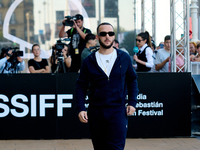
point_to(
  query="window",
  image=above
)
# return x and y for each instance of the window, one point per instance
(1, 22)
(11, 1)
(111, 8)
(89, 6)
(13, 32)
(13, 19)
(59, 17)
(1, 35)
(1, 4)
(28, 3)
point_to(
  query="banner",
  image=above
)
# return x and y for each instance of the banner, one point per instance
(43, 106)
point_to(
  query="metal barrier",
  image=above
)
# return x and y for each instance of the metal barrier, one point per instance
(195, 68)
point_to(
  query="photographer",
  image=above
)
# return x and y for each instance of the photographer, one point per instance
(77, 34)
(10, 61)
(60, 59)
(38, 65)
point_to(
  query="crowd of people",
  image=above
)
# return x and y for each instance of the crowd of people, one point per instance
(149, 58)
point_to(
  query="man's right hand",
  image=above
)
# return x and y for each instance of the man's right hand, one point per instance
(83, 117)
(63, 22)
(74, 25)
(167, 60)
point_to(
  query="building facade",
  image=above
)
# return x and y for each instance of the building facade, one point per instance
(18, 21)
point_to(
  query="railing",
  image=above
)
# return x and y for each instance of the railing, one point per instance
(195, 68)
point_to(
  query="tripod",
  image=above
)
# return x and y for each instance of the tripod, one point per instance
(60, 65)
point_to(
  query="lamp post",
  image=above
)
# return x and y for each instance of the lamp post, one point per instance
(52, 24)
(194, 13)
(39, 12)
(135, 21)
(99, 11)
(28, 30)
(44, 3)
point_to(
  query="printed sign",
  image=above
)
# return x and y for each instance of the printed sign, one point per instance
(43, 106)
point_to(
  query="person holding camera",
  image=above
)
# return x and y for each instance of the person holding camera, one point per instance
(77, 44)
(9, 62)
(60, 59)
(38, 65)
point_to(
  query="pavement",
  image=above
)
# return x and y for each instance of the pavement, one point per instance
(189, 143)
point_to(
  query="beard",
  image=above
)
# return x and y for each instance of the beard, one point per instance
(105, 46)
(81, 27)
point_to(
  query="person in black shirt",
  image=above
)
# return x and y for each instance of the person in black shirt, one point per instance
(77, 44)
(38, 65)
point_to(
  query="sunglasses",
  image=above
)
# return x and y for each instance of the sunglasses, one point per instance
(105, 33)
(139, 40)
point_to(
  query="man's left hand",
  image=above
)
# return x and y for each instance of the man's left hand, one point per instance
(75, 25)
(130, 110)
(19, 59)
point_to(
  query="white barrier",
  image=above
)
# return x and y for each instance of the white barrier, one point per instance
(195, 68)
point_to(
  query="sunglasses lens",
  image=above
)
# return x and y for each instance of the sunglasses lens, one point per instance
(138, 40)
(111, 33)
(102, 33)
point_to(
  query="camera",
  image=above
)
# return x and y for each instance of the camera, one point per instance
(58, 54)
(13, 57)
(58, 47)
(69, 21)
(18, 53)
(15, 52)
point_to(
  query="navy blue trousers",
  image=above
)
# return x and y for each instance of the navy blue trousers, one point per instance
(108, 127)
